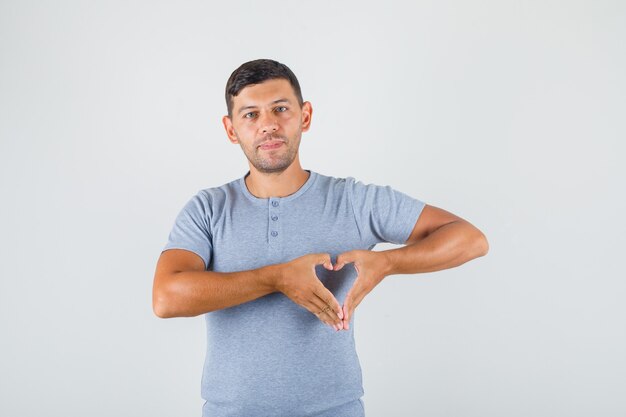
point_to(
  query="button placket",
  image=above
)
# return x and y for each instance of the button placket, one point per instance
(274, 230)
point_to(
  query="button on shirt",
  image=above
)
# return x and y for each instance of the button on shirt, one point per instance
(270, 356)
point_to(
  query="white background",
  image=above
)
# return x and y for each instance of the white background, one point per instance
(509, 114)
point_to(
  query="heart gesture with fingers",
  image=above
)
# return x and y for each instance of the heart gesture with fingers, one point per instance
(370, 267)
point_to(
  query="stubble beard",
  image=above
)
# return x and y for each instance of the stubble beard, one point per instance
(273, 164)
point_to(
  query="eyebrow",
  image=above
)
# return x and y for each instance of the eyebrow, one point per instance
(280, 100)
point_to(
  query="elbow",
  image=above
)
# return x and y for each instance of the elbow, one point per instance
(160, 313)
(160, 310)
(475, 243)
(482, 244)
(161, 306)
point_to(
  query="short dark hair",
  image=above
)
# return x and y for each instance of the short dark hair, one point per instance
(255, 72)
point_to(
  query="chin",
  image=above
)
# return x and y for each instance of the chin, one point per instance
(269, 168)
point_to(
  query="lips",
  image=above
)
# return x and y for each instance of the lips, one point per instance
(271, 144)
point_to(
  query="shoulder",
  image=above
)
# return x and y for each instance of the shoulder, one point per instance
(218, 194)
(352, 187)
(329, 181)
(333, 187)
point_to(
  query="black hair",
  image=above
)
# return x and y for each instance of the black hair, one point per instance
(255, 72)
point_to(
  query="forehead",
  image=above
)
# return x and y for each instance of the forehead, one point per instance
(265, 92)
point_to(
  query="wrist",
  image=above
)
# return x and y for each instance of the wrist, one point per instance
(387, 261)
(271, 276)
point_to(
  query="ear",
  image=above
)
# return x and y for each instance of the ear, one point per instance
(230, 130)
(307, 113)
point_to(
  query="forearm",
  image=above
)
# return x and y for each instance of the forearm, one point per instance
(191, 293)
(449, 246)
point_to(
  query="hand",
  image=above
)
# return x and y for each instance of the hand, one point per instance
(370, 267)
(299, 282)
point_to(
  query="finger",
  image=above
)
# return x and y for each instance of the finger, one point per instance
(348, 301)
(350, 308)
(313, 304)
(350, 296)
(353, 298)
(328, 298)
(346, 317)
(351, 303)
(325, 314)
(342, 259)
(325, 260)
(346, 310)
(336, 321)
(326, 309)
(319, 309)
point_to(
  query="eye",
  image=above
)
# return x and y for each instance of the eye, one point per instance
(246, 115)
(282, 107)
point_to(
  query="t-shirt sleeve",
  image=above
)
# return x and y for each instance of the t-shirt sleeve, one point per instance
(191, 230)
(382, 213)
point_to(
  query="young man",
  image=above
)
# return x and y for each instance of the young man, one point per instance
(278, 259)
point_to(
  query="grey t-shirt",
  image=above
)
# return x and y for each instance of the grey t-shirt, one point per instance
(270, 356)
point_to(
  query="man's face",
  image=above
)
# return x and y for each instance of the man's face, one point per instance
(268, 124)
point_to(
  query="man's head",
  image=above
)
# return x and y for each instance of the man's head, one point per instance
(266, 114)
(255, 72)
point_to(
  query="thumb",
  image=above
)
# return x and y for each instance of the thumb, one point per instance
(347, 307)
(325, 260)
(342, 259)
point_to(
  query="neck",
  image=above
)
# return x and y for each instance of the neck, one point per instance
(276, 184)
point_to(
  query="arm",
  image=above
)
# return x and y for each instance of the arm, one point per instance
(439, 240)
(446, 246)
(183, 288)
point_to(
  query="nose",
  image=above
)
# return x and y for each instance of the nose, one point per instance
(268, 123)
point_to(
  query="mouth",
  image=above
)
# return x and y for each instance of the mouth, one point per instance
(271, 144)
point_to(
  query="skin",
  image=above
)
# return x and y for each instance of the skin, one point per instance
(258, 118)
(275, 172)
(439, 239)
